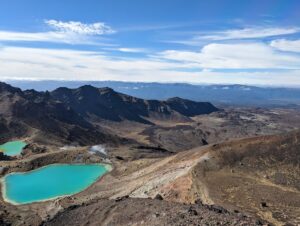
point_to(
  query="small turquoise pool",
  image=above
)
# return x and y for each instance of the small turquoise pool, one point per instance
(12, 148)
(50, 182)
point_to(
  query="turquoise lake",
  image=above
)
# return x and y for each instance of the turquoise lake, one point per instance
(50, 182)
(13, 148)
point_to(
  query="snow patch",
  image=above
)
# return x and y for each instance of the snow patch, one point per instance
(68, 147)
(98, 149)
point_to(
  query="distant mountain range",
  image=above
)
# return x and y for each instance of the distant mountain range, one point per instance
(76, 114)
(217, 94)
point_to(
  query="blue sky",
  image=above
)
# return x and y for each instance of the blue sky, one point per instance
(218, 41)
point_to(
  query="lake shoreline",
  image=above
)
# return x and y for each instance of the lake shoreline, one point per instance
(5, 197)
(13, 148)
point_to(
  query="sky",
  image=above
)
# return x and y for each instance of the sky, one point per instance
(253, 42)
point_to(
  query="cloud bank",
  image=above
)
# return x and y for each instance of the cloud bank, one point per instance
(235, 56)
(230, 56)
(59, 64)
(286, 45)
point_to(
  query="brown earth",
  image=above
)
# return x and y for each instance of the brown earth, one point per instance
(148, 212)
(223, 159)
(240, 175)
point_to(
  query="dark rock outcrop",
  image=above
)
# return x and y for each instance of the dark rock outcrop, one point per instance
(72, 114)
(107, 104)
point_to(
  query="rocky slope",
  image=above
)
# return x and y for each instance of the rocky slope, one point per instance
(258, 175)
(148, 212)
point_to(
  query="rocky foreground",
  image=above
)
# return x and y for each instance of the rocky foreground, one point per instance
(128, 211)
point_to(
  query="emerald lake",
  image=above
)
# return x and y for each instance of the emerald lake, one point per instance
(12, 148)
(50, 182)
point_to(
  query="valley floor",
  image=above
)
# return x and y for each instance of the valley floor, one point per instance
(178, 173)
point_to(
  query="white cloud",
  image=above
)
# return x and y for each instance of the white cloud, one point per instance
(131, 50)
(235, 56)
(286, 45)
(128, 50)
(237, 34)
(45, 64)
(55, 37)
(63, 64)
(250, 33)
(64, 32)
(80, 28)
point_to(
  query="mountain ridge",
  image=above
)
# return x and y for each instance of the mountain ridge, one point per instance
(220, 94)
(65, 112)
(122, 106)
